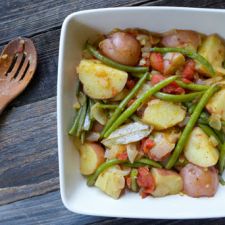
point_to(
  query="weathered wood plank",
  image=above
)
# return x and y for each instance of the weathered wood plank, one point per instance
(220, 4)
(12, 194)
(28, 150)
(38, 16)
(48, 209)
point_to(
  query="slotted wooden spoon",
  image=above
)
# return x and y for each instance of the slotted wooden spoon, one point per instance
(18, 63)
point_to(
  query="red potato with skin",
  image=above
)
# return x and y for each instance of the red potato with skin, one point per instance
(122, 48)
(181, 39)
(91, 156)
(198, 181)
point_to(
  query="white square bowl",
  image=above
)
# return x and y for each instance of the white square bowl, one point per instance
(76, 29)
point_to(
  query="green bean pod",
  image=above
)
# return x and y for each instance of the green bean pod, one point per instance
(190, 54)
(191, 123)
(139, 163)
(123, 104)
(178, 98)
(133, 177)
(116, 65)
(130, 110)
(222, 158)
(107, 106)
(92, 178)
(73, 129)
(82, 117)
(149, 162)
(192, 86)
(210, 132)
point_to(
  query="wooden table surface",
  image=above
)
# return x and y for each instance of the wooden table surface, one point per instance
(29, 183)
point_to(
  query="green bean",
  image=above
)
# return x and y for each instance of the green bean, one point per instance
(116, 65)
(73, 130)
(130, 110)
(190, 54)
(221, 180)
(133, 176)
(220, 135)
(141, 162)
(92, 178)
(77, 87)
(82, 137)
(222, 158)
(134, 164)
(107, 106)
(149, 162)
(192, 86)
(191, 123)
(135, 118)
(210, 132)
(177, 98)
(82, 117)
(123, 104)
(140, 75)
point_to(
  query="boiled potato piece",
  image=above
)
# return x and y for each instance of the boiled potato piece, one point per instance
(111, 182)
(172, 61)
(162, 115)
(216, 104)
(100, 81)
(167, 182)
(91, 156)
(199, 150)
(213, 49)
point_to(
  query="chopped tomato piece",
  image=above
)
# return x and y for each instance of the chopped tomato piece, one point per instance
(172, 88)
(128, 182)
(145, 181)
(156, 78)
(122, 156)
(156, 61)
(189, 70)
(130, 83)
(147, 144)
(130, 102)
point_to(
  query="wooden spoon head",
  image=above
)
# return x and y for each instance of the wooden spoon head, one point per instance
(18, 63)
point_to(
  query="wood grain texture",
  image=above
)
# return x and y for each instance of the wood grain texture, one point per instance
(28, 151)
(48, 209)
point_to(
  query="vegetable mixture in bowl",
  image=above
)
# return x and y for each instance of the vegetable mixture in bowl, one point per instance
(150, 113)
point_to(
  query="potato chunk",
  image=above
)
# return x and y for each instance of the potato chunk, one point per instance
(100, 81)
(167, 182)
(216, 104)
(162, 114)
(213, 49)
(199, 150)
(91, 156)
(111, 182)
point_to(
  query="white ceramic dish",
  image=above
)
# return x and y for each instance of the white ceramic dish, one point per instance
(76, 29)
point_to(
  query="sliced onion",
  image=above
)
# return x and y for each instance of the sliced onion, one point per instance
(92, 136)
(116, 169)
(132, 152)
(98, 114)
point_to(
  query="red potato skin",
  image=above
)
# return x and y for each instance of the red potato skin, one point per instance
(122, 48)
(181, 38)
(198, 181)
(97, 127)
(99, 151)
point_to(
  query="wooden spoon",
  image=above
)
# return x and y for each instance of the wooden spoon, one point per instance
(18, 63)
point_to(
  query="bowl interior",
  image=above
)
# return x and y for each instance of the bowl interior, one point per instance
(77, 29)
